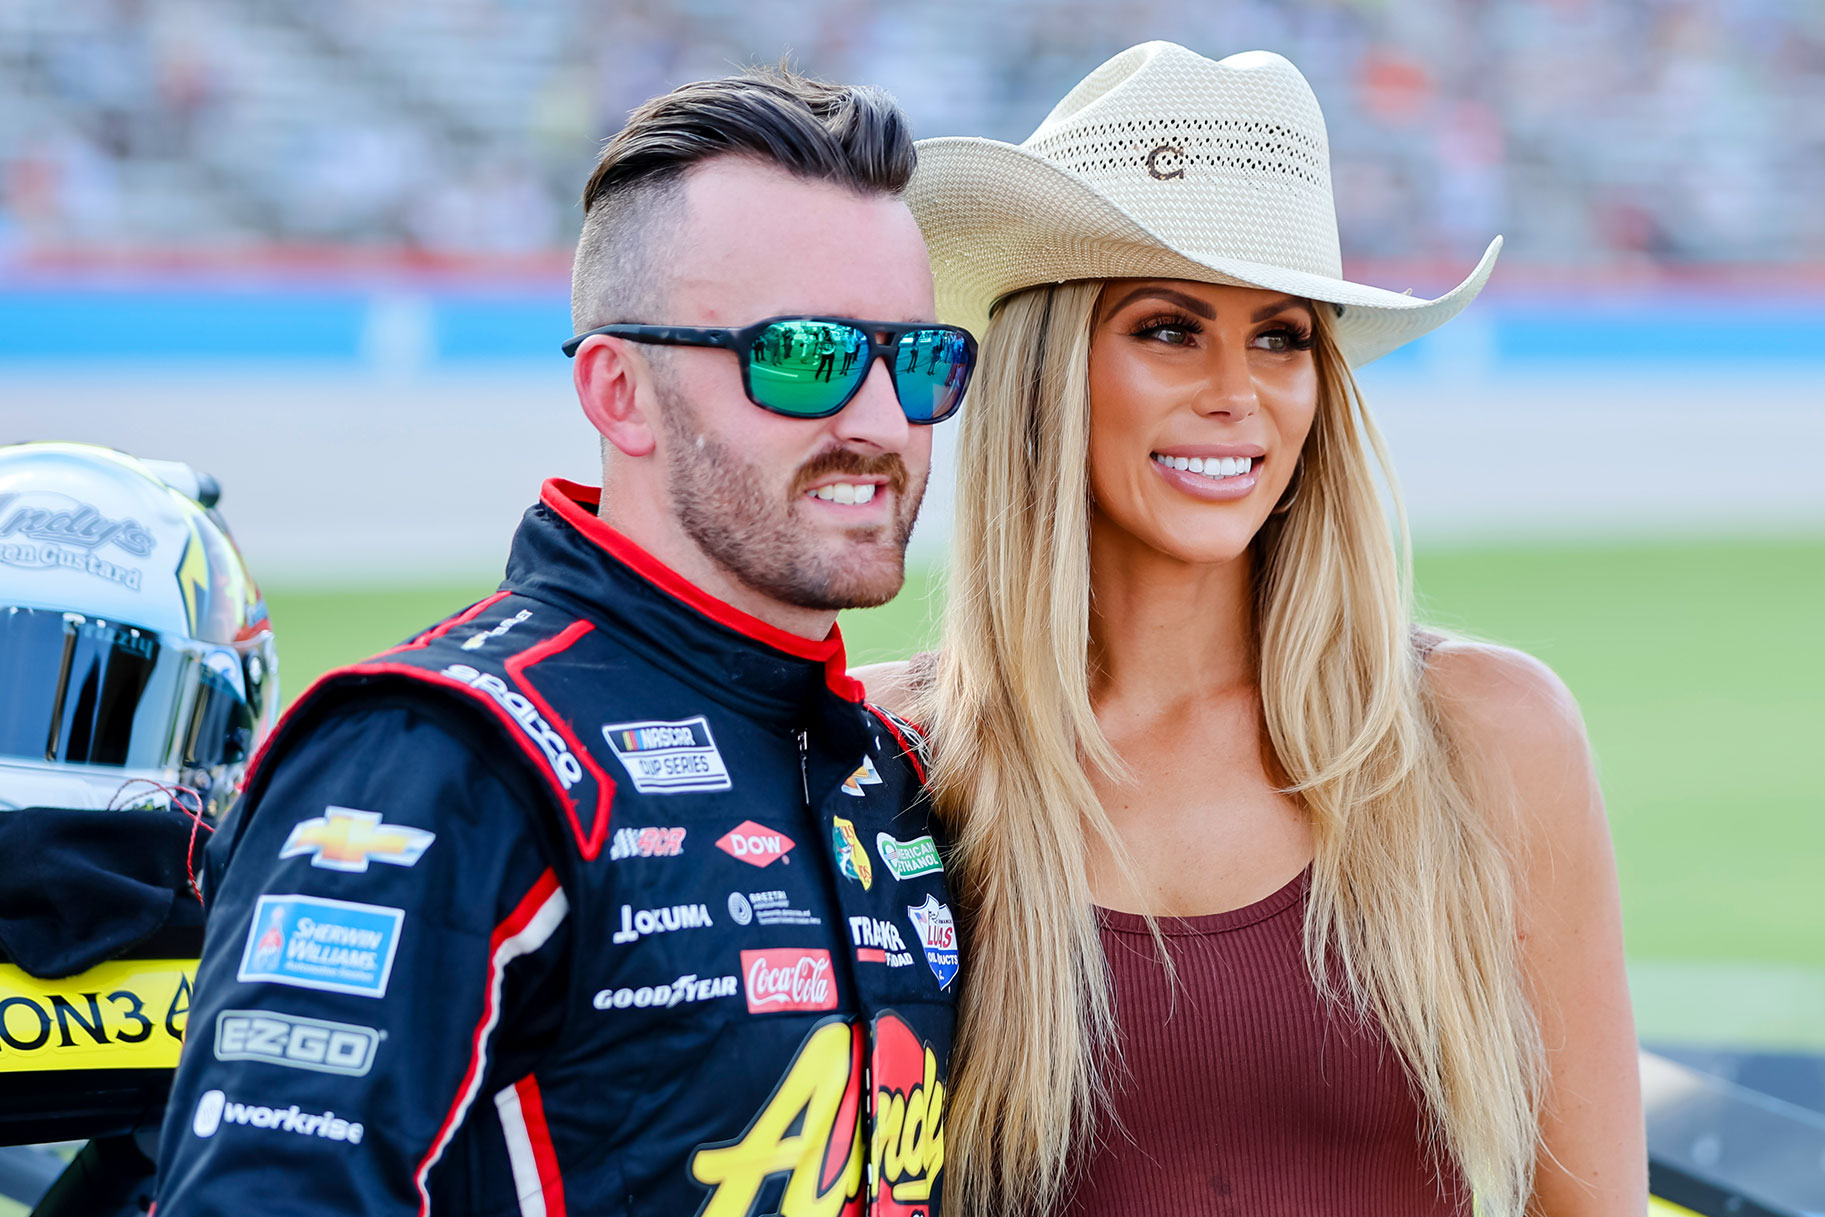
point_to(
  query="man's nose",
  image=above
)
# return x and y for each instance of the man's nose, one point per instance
(873, 416)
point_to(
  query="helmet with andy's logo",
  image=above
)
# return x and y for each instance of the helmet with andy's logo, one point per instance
(135, 651)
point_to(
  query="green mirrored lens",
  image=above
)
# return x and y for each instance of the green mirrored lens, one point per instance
(806, 367)
(931, 368)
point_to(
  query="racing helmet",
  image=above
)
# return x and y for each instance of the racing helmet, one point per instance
(135, 652)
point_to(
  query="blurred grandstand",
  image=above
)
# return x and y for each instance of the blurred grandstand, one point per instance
(1606, 135)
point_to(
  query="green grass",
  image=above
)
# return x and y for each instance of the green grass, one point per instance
(1700, 668)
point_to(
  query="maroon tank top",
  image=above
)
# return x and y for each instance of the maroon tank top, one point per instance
(1251, 1096)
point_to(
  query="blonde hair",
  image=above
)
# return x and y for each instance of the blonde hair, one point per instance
(1410, 919)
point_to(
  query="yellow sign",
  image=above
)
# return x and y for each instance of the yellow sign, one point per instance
(124, 1014)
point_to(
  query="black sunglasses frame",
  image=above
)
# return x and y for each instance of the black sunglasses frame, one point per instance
(742, 343)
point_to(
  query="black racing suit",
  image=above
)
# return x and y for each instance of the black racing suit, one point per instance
(600, 897)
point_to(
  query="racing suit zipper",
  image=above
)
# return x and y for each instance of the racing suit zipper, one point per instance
(804, 767)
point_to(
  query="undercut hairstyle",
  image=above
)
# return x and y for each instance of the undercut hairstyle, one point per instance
(853, 136)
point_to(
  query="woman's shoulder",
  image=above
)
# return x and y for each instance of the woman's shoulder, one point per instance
(896, 685)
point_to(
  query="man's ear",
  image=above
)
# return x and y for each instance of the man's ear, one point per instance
(609, 374)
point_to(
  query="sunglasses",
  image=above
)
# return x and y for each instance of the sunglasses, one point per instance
(811, 367)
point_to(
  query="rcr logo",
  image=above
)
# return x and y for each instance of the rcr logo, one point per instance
(295, 1042)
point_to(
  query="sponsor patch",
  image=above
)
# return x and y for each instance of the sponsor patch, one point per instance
(851, 858)
(776, 908)
(507, 623)
(687, 988)
(646, 843)
(906, 859)
(788, 978)
(295, 1042)
(907, 1150)
(215, 1109)
(867, 775)
(638, 923)
(878, 941)
(740, 911)
(937, 933)
(755, 844)
(313, 943)
(669, 758)
(123, 1014)
(347, 839)
(563, 762)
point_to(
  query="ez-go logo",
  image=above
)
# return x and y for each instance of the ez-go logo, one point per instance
(295, 1042)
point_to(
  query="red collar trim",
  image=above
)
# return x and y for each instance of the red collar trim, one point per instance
(577, 505)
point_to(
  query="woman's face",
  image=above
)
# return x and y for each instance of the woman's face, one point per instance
(1191, 376)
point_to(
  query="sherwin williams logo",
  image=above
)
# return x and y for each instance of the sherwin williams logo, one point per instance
(937, 933)
(851, 859)
(313, 943)
(346, 839)
(755, 844)
(867, 775)
(906, 859)
(669, 758)
(788, 978)
(215, 1109)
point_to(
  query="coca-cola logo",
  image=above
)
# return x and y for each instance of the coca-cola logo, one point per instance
(788, 978)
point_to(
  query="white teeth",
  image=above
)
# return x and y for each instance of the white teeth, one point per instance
(1214, 467)
(846, 492)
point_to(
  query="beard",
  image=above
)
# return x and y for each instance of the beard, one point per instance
(758, 532)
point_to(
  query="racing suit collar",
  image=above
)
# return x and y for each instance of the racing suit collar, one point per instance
(565, 552)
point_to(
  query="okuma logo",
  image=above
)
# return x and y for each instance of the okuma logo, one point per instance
(637, 924)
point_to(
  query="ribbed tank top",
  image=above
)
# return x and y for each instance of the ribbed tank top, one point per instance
(1250, 1095)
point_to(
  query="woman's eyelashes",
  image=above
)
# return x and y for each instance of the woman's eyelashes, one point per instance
(1177, 329)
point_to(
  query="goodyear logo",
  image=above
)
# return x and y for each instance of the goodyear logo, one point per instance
(124, 1014)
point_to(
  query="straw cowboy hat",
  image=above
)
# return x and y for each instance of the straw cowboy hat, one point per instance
(1161, 164)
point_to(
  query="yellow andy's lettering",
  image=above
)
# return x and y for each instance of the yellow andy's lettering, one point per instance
(819, 1085)
(909, 1138)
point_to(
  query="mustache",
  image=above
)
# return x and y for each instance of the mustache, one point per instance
(842, 461)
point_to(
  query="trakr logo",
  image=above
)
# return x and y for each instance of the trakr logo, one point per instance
(878, 941)
(638, 924)
(347, 839)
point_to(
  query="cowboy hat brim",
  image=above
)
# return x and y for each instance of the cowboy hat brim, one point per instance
(998, 218)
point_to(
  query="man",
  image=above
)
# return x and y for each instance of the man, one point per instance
(609, 894)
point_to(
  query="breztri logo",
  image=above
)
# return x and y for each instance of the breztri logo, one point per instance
(566, 765)
(215, 1109)
(294, 1042)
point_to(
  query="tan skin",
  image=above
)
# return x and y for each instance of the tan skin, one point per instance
(1181, 368)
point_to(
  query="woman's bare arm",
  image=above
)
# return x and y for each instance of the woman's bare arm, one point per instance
(1521, 728)
(889, 685)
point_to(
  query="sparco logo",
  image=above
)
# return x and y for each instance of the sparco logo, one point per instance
(297, 1043)
(637, 924)
(755, 844)
(788, 978)
(215, 1109)
(687, 988)
(647, 843)
(569, 771)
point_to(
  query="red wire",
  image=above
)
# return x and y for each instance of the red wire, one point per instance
(175, 795)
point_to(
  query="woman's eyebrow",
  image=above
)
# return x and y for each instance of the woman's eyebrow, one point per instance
(1268, 310)
(1190, 304)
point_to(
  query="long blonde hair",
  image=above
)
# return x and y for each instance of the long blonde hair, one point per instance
(1411, 915)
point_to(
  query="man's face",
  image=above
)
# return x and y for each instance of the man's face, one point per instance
(743, 482)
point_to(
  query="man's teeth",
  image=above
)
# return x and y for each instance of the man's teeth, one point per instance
(1210, 467)
(846, 492)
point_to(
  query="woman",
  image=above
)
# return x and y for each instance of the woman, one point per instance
(1275, 904)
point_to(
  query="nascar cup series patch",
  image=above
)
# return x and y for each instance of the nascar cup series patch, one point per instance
(669, 758)
(937, 933)
(334, 945)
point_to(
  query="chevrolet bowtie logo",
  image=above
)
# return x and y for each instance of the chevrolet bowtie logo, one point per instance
(343, 838)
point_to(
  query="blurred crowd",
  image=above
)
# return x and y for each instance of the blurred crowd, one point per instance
(1593, 133)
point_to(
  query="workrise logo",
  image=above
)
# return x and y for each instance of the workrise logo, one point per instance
(811, 1131)
(346, 839)
(215, 1109)
(637, 924)
(755, 844)
(646, 843)
(788, 978)
(669, 758)
(295, 1042)
(523, 712)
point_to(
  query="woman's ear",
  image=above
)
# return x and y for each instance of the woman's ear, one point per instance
(614, 385)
